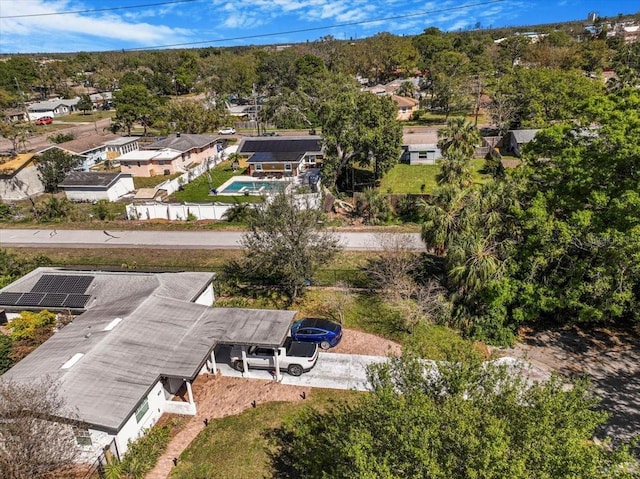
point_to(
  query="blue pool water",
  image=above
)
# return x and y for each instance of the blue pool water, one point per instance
(252, 187)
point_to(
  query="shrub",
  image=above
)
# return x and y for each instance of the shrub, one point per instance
(29, 326)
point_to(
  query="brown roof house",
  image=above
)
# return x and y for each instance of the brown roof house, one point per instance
(406, 106)
(95, 186)
(19, 178)
(91, 148)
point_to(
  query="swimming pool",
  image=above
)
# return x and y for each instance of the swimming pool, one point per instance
(251, 186)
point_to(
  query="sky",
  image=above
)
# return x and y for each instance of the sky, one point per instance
(32, 26)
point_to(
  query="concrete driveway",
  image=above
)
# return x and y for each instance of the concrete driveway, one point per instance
(332, 371)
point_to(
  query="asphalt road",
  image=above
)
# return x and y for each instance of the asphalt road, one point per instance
(51, 238)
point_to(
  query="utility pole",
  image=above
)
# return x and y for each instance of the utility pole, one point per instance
(24, 106)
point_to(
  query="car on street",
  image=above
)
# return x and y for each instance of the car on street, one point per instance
(323, 332)
(227, 130)
(294, 357)
(44, 120)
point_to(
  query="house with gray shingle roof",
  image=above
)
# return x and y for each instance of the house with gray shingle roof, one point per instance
(91, 148)
(139, 339)
(512, 141)
(95, 186)
(52, 108)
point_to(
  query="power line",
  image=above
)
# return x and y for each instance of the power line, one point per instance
(311, 29)
(108, 9)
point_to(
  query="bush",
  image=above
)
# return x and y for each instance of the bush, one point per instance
(30, 326)
(5, 353)
(141, 455)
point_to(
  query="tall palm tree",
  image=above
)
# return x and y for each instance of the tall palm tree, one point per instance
(458, 135)
(455, 170)
(443, 217)
(474, 261)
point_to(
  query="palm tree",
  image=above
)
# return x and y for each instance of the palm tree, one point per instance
(443, 217)
(474, 261)
(455, 170)
(458, 135)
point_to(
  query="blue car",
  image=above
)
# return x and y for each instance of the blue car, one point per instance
(315, 330)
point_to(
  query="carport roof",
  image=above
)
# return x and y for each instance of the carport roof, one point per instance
(161, 332)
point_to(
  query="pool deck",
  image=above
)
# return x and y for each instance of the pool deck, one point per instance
(244, 178)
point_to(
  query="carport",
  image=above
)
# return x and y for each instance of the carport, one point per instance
(251, 327)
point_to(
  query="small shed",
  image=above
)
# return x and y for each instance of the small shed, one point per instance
(511, 143)
(94, 186)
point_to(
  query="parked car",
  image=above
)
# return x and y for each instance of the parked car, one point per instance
(294, 357)
(44, 120)
(316, 330)
(226, 130)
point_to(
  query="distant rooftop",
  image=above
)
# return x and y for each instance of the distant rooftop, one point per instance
(90, 178)
(184, 142)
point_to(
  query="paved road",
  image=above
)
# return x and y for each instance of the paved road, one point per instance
(52, 238)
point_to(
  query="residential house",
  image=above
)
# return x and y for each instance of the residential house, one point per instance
(281, 156)
(170, 155)
(102, 101)
(121, 146)
(52, 108)
(138, 340)
(95, 186)
(513, 140)
(406, 106)
(19, 178)
(92, 149)
(420, 148)
(15, 115)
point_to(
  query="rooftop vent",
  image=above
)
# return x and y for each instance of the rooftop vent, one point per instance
(74, 359)
(112, 324)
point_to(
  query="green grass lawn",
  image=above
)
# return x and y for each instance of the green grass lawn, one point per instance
(235, 447)
(198, 190)
(405, 178)
(89, 117)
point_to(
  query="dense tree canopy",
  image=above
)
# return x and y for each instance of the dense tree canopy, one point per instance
(53, 166)
(466, 420)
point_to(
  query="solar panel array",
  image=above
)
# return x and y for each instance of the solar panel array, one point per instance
(52, 291)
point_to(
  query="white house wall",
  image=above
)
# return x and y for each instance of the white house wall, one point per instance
(207, 297)
(133, 429)
(22, 185)
(122, 187)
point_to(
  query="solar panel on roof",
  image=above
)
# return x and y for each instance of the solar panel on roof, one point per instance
(30, 299)
(52, 300)
(62, 283)
(9, 299)
(76, 301)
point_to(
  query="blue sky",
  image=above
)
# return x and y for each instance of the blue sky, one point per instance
(242, 22)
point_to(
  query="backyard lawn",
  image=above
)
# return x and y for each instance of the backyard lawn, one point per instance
(89, 117)
(198, 190)
(405, 178)
(152, 181)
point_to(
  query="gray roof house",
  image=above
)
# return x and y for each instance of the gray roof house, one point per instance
(420, 148)
(139, 339)
(52, 108)
(512, 141)
(95, 186)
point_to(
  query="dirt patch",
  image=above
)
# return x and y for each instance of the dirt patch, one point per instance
(609, 358)
(357, 342)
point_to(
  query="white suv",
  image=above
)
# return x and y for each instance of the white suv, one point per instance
(226, 130)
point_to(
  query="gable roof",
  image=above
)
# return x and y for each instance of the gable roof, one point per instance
(524, 136)
(184, 142)
(52, 104)
(287, 148)
(77, 179)
(404, 102)
(85, 144)
(162, 332)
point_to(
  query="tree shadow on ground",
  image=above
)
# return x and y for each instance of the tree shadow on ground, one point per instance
(610, 358)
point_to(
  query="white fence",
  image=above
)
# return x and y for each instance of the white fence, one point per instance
(171, 186)
(152, 210)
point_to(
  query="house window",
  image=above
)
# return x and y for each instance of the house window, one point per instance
(423, 155)
(160, 162)
(83, 436)
(287, 167)
(142, 410)
(258, 166)
(138, 163)
(167, 172)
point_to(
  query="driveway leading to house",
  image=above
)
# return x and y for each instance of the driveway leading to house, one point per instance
(332, 371)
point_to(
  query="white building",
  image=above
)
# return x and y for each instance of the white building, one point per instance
(95, 186)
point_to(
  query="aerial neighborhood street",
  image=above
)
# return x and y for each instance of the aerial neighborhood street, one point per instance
(401, 240)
